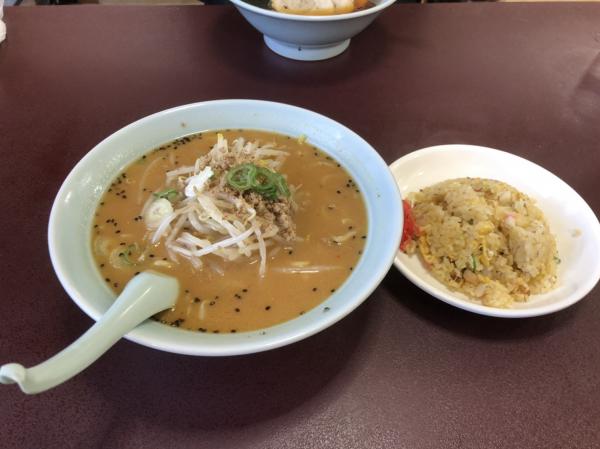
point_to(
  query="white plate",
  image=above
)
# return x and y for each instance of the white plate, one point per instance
(571, 220)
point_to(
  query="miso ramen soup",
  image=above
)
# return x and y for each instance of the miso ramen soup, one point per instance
(258, 228)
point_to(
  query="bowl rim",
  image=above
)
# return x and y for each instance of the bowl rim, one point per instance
(455, 299)
(143, 334)
(314, 18)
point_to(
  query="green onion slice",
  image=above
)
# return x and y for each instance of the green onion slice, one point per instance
(242, 176)
(264, 182)
(261, 180)
(125, 254)
(473, 263)
(282, 186)
(169, 194)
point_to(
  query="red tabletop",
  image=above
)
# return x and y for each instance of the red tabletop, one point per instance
(404, 370)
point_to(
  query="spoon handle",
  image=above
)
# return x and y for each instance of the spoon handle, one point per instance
(146, 294)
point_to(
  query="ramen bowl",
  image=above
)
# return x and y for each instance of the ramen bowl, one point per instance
(309, 38)
(71, 218)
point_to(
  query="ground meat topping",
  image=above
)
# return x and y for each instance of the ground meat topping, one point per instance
(277, 211)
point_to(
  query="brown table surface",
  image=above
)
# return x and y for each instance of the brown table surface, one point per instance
(404, 370)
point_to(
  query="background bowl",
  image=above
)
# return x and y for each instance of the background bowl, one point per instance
(309, 38)
(571, 220)
(69, 232)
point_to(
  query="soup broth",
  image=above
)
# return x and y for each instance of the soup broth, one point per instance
(231, 296)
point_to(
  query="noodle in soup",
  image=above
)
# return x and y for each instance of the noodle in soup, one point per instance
(257, 227)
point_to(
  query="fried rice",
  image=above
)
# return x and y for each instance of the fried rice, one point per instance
(485, 239)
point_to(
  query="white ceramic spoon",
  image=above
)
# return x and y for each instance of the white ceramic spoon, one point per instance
(146, 294)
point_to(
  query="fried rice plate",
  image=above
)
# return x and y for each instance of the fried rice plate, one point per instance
(485, 239)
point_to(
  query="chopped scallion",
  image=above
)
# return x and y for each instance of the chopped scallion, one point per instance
(261, 180)
(169, 194)
(473, 263)
(125, 255)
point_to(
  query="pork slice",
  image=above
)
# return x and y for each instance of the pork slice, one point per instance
(317, 7)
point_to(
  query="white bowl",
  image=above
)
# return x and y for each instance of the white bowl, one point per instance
(571, 220)
(309, 38)
(69, 232)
